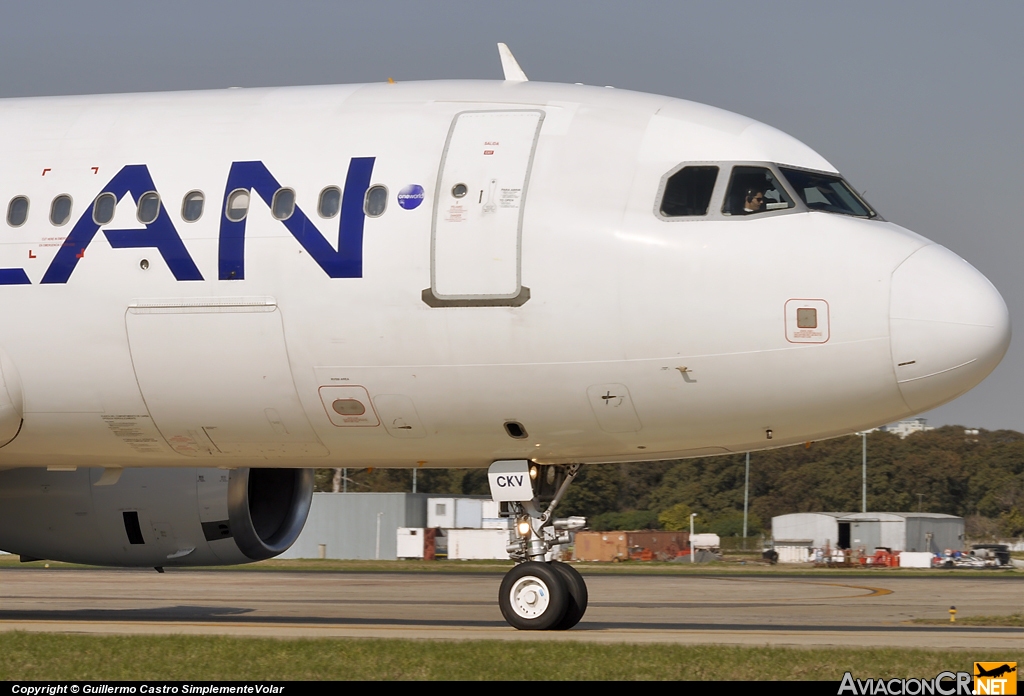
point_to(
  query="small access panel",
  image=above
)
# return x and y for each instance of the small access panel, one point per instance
(807, 321)
(476, 239)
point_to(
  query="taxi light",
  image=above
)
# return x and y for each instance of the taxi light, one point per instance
(523, 527)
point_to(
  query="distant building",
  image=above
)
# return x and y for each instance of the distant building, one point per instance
(370, 525)
(898, 531)
(358, 525)
(907, 427)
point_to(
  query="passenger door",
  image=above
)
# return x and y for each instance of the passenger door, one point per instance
(476, 237)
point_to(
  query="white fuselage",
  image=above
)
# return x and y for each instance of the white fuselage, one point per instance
(637, 337)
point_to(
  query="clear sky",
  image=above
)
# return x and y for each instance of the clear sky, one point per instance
(918, 103)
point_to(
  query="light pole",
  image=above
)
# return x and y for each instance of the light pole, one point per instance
(692, 515)
(376, 554)
(746, 497)
(864, 473)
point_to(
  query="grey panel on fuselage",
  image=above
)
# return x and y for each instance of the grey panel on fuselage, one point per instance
(216, 378)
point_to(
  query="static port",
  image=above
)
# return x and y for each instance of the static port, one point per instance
(515, 430)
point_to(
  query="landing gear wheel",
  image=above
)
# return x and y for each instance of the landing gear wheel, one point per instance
(577, 601)
(533, 597)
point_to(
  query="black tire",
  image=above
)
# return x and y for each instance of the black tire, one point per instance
(533, 597)
(577, 601)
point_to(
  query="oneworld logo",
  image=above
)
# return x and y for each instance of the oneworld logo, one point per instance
(411, 196)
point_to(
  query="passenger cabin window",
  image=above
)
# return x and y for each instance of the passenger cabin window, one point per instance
(17, 211)
(103, 208)
(688, 191)
(376, 201)
(828, 192)
(192, 206)
(238, 205)
(754, 190)
(283, 205)
(60, 210)
(149, 207)
(329, 203)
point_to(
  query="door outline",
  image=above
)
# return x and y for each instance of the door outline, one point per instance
(430, 295)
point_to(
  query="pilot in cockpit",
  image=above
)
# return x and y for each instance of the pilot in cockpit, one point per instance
(753, 201)
(754, 190)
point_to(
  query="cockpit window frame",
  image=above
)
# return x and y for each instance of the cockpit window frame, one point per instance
(779, 180)
(716, 193)
(874, 214)
(725, 172)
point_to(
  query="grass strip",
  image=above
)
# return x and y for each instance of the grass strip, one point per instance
(45, 657)
(1014, 620)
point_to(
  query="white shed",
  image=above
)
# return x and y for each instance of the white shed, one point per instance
(813, 529)
(464, 512)
(899, 531)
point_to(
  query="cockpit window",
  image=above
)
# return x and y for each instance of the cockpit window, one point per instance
(754, 190)
(688, 191)
(827, 192)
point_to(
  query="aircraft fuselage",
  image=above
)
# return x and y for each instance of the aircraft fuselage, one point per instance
(547, 310)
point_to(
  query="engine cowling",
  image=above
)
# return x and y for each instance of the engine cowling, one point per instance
(153, 517)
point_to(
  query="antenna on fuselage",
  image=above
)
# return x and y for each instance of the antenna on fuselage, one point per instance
(510, 66)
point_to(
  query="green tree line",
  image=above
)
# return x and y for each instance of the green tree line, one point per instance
(979, 477)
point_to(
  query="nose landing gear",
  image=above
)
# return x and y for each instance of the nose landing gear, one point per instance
(537, 594)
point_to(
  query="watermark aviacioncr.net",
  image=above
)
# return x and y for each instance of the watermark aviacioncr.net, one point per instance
(988, 679)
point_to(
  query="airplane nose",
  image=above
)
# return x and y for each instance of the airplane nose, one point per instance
(948, 327)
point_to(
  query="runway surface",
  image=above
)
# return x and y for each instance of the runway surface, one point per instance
(748, 610)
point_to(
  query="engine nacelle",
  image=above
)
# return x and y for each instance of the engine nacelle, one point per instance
(153, 517)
